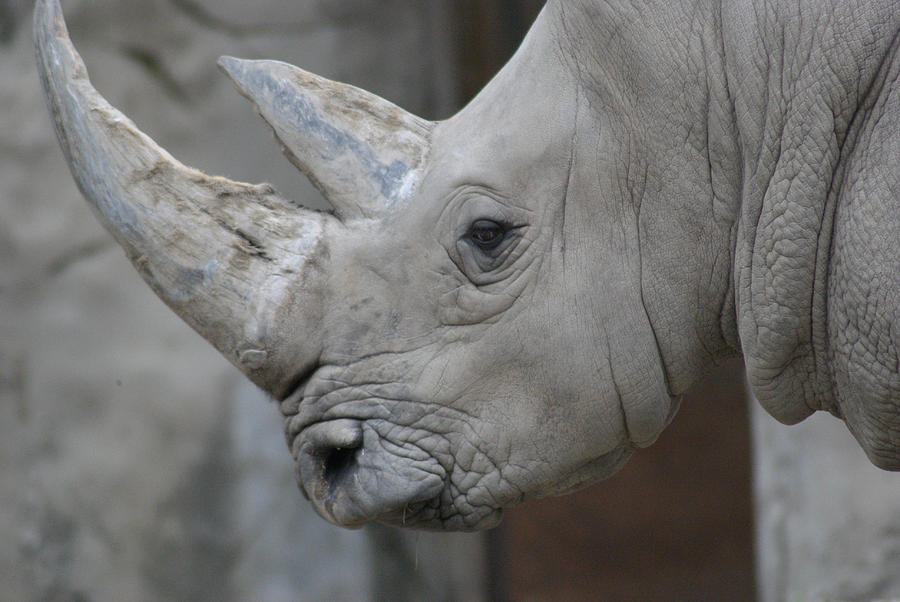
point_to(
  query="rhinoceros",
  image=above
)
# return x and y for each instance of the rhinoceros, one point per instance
(508, 303)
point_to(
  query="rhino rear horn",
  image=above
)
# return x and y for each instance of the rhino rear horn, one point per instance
(362, 152)
(225, 256)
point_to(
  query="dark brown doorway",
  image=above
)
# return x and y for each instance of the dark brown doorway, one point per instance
(675, 524)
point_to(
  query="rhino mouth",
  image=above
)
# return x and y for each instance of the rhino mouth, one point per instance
(375, 451)
(357, 461)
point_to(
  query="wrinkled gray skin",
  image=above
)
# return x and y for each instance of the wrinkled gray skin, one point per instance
(673, 182)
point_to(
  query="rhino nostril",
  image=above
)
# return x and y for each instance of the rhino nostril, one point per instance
(327, 455)
(337, 462)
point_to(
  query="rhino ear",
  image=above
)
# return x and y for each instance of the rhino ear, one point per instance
(362, 152)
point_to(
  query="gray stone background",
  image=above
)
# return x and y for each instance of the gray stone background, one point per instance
(135, 463)
(827, 520)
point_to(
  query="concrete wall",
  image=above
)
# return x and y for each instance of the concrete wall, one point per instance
(135, 463)
(828, 521)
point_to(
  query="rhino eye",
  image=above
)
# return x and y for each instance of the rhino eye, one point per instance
(487, 234)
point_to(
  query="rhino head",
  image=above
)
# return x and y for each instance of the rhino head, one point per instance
(490, 313)
(419, 337)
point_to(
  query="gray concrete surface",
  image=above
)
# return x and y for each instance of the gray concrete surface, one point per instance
(827, 520)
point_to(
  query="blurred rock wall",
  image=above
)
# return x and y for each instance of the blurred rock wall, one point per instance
(135, 463)
(827, 520)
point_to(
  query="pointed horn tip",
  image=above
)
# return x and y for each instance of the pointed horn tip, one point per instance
(237, 68)
(229, 64)
(48, 18)
(237, 71)
(240, 70)
(57, 56)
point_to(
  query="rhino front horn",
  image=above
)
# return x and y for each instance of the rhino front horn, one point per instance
(232, 259)
(362, 152)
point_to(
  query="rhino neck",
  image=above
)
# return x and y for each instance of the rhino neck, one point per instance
(652, 77)
(796, 91)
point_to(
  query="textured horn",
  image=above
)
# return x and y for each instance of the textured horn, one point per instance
(362, 152)
(227, 257)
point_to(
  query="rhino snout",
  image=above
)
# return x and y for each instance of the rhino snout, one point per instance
(350, 478)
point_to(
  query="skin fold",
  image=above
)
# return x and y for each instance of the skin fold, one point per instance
(507, 304)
